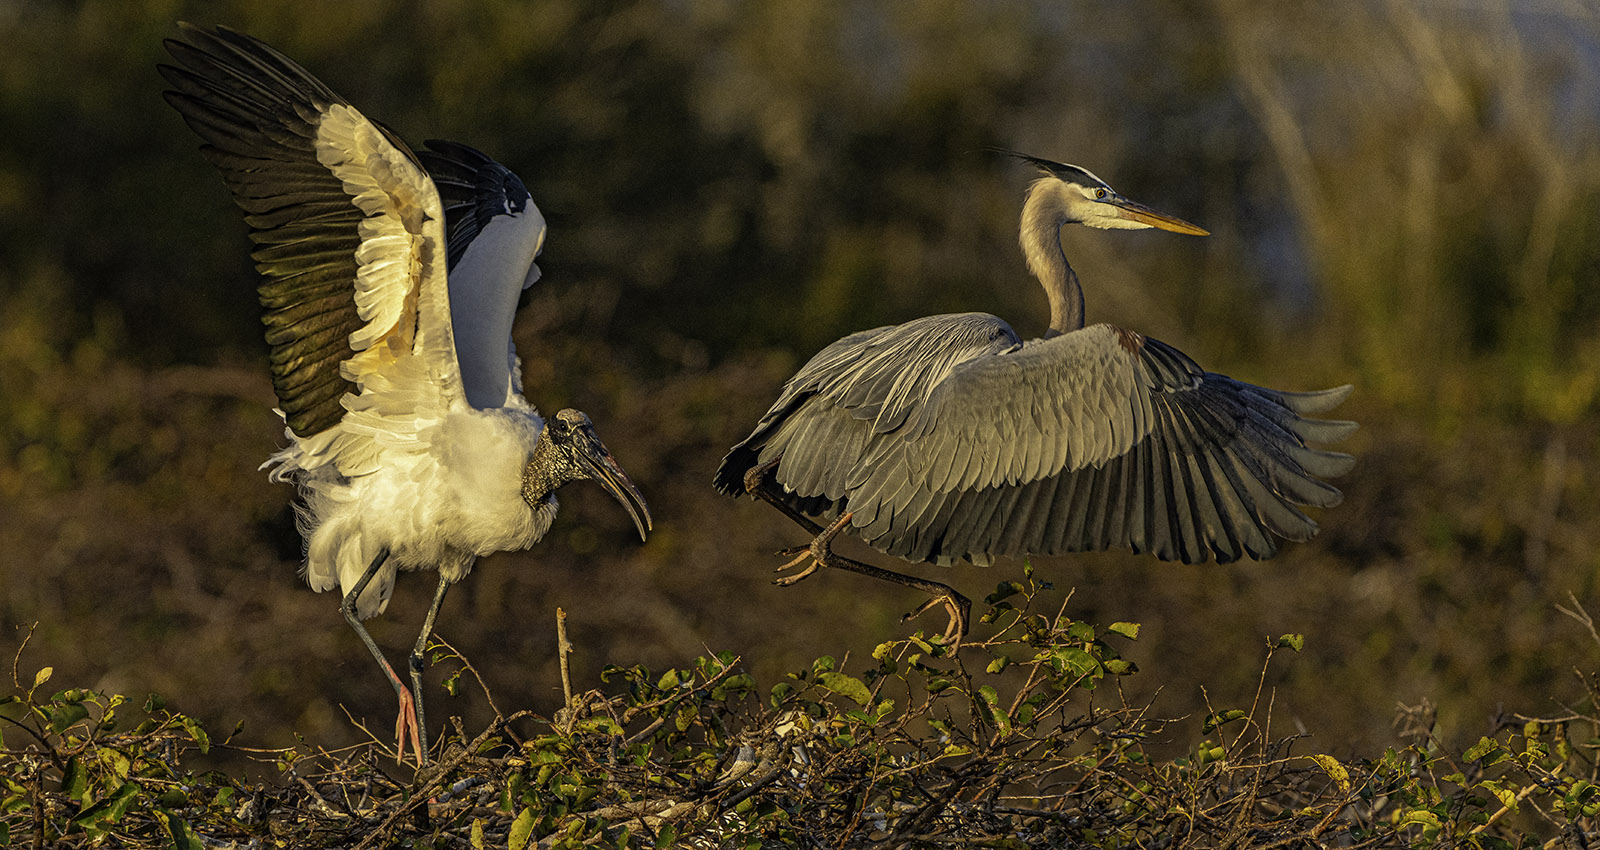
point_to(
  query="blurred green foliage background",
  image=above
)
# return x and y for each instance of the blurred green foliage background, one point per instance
(1403, 195)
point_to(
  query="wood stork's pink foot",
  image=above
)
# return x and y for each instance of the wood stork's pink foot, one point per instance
(406, 728)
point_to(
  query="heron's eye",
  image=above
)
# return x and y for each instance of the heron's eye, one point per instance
(1099, 194)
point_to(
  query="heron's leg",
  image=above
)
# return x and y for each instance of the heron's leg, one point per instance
(406, 722)
(821, 553)
(758, 482)
(417, 667)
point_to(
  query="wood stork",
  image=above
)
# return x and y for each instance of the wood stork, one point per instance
(390, 282)
(948, 437)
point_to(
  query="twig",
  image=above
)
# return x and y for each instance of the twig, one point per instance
(1521, 795)
(563, 648)
(1578, 613)
(376, 837)
(16, 660)
(467, 665)
(726, 670)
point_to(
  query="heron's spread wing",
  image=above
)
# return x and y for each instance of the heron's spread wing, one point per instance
(1093, 439)
(348, 230)
(852, 393)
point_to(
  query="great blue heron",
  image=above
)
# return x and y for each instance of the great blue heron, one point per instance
(948, 437)
(409, 440)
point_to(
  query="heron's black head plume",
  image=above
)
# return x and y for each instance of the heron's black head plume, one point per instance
(1059, 170)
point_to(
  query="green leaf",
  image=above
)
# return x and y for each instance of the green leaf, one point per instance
(1127, 630)
(1422, 817)
(1485, 746)
(669, 680)
(198, 733)
(1080, 631)
(1003, 590)
(43, 675)
(845, 685)
(1335, 770)
(1078, 661)
(476, 837)
(521, 830)
(1221, 718)
(75, 779)
(63, 716)
(999, 664)
(1292, 641)
(108, 809)
(183, 838)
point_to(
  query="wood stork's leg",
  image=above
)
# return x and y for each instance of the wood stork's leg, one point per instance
(417, 667)
(405, 725)
(759, 483)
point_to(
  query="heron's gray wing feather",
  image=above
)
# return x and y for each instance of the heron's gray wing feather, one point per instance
(832, 413)
(1141, 449)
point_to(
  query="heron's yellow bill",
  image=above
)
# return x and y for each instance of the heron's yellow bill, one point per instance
(1134, 211)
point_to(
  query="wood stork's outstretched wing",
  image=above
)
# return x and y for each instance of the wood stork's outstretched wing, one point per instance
(1089, 440)
(348, 227)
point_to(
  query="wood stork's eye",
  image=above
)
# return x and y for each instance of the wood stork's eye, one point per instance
(1099, 194)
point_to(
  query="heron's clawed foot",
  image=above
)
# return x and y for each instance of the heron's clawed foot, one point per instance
(793, 578)
(406, 729)
(958, 607)
(819, 551)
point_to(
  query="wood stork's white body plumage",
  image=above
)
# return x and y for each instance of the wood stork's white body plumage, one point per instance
(391, 282)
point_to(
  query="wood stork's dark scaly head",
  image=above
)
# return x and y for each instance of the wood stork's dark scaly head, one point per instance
(569, 450)
(1075, 196)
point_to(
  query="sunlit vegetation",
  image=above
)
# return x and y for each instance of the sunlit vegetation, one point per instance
(910, 747)
(1402, 196)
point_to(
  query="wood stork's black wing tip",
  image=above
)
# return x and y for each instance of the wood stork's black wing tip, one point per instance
(458, 150)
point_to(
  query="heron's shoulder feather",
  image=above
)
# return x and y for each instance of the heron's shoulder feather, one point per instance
(877, 376)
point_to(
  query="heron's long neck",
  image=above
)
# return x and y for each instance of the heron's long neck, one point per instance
(1042, 219)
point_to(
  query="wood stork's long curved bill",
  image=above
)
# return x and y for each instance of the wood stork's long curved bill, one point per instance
(390, 279)
(604, 470)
